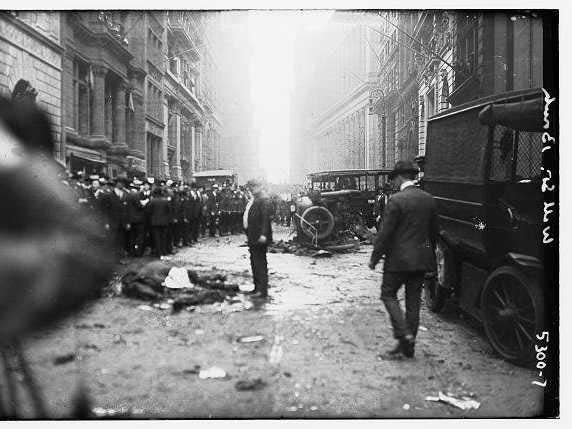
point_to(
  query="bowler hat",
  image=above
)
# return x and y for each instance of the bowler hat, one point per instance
(404, 167)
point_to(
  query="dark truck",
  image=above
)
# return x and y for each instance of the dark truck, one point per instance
(483, 165)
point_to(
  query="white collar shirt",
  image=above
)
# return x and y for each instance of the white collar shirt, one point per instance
(245, 215)
(407, 184)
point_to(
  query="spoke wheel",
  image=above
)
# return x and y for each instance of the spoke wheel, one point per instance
(320, 218)
(437, 288)
(513, 313)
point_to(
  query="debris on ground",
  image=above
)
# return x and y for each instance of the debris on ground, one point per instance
(212, 372)
(178, 278)
(322, 254)
(251, 339)
(100, 412)
(406, 407)
(145, 307)
(195, 370)
(465, 403)
(176, 288)
(254, 384)
(63, 359)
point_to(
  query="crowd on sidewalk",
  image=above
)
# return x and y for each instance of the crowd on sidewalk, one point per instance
(149, 216)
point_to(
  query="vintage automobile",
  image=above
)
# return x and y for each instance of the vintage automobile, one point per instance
(483, 165)
(340, 201)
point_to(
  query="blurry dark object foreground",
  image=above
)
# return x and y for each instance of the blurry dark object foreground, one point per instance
(53, 256)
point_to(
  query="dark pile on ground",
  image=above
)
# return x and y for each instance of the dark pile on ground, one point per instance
(147, 283)
(306, 249)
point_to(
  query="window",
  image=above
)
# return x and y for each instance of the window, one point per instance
(528, 155)
(468, 43)
(81, 97)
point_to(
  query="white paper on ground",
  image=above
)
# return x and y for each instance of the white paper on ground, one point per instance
(178, 278)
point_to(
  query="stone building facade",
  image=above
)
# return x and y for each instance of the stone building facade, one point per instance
(433, 60)
(331, 126)
(139, 99)
(31, 49)
(128, 92)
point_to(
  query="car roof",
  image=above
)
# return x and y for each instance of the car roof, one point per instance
(213, 173)
(351, 172)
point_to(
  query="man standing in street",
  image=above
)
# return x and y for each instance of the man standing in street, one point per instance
(406, 241)
(256, 222)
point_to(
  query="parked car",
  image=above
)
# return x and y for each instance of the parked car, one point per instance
(338, 201)
(483, 165)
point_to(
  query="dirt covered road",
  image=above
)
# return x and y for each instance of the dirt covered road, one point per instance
(323, 331)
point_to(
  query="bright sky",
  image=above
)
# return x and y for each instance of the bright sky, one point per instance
(272, 35)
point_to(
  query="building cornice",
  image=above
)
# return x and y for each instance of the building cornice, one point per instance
(34, 33)
(345, 105)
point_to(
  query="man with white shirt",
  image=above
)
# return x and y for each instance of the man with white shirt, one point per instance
(256, 222)
(406, 241)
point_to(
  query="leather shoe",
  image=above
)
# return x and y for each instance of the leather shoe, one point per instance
(407, 346)
(259, 295)
(396, 350)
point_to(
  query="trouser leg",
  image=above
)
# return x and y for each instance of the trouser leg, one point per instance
(156, 238)
(137, 239)
(413, 288)
(259, 268)
(253, 267)
(392, 282)
(167, 247)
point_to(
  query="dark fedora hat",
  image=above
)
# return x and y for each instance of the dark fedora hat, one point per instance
(404, 167)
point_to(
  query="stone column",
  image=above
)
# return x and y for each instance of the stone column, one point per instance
(165, 150)
(177, 167)
(199, 145)
(139, 126)
(98, 112)
(367, 137)
(119, 112)
(193, 147)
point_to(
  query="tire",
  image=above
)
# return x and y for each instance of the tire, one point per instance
(512, 305)
(321, 218)
(437, 287)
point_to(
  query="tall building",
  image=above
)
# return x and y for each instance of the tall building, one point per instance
(31, 49)
(434, 60)
(332, 127)
(239, 141)
(140, 93)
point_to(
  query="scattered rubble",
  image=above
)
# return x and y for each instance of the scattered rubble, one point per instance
(465, 403)
(63, 359)
(212, 372)
(254, 384)
(252, 339)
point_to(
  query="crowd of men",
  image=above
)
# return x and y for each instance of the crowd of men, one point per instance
(143, 215)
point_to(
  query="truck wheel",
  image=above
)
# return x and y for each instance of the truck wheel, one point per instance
(319, 218)
(512, 305)
(437, 287)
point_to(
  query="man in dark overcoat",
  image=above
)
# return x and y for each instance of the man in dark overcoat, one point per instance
(406, 241)
(257, 223)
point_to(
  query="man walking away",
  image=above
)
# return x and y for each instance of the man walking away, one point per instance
(256, 222)
(406, 241)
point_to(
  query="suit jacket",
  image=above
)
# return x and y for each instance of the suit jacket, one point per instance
(259, 221)
(135, 211)
(114, 209)
(409, 231)
(159, 211)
